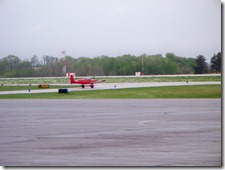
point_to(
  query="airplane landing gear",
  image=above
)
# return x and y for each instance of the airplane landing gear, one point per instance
(82, 85)
(92, 86)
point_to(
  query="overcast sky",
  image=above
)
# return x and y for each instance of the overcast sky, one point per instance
(93, 28)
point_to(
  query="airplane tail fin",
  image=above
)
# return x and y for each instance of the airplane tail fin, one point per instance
(72, 79)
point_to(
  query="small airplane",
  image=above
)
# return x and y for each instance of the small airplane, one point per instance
(85, 81)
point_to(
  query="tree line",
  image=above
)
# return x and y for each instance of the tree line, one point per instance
(46, 66)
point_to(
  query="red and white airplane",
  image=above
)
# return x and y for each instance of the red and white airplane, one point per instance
(85, 81)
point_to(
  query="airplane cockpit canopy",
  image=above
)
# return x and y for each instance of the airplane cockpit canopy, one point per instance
(87, 78)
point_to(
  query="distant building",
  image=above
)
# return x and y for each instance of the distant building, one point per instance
(138, 73)
(36, 68)
(69, 74)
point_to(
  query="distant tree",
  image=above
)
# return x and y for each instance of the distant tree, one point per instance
(9, 66)
(171, 56)
(185, 65)
(155, 64)
(51, 67)
(12, 61)
(216, 63)
(13, 66)
(105, 66)
(24, 69)
(83, 66)
(201, 65)
(35, 61)
(170, 67)
(69, 62)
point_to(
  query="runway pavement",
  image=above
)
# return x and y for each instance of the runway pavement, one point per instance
(152, 132)
(102, 86)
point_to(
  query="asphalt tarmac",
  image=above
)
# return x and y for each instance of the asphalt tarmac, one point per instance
(104, 86)
(152, 132)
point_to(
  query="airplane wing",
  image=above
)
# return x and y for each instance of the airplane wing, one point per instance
(100, 81)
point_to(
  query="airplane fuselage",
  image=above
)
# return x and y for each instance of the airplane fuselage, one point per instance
(83, 81)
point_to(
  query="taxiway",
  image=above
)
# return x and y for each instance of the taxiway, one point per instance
(152, 132)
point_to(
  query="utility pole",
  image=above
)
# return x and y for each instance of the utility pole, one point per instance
(64, 62)
(142, 66)
(90, 70)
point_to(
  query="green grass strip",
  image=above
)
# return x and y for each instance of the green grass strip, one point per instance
(196, 91)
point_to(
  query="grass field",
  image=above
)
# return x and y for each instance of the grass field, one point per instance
(163, 79)
(63, 80)
(196, 91)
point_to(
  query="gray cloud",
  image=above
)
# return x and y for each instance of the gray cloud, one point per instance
(113, 27)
